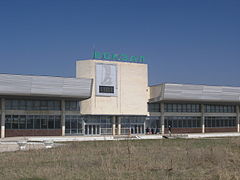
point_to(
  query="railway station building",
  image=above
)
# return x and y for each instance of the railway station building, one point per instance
(112, 98)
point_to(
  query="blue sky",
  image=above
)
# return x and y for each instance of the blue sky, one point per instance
(183, 41)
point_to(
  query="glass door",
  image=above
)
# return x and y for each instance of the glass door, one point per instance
(92, 129)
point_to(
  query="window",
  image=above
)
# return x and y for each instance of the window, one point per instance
(182, 121)
(172, 107)
(135, 124)
(212, 108)
(33, 122)
(44, 123)
(51, 122)
(12, 104)
(58, 122)
(72, 105)
(29, 122)
(106, 89)
(22, 122)
(154, 107)
(223, 121)
(37, 122)
(8, 122)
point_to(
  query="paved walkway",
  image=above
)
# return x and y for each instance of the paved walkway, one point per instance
(102, 138)
(13, 146)
(37, 142)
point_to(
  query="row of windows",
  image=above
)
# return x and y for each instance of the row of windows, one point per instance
(220, 121)
(77, 122)
(182, 122)
(74, 124)
(132, 119)
(32, 105)
(93, 124)
(209, 108)
(220, 108)
(153, 122)
(54, 105)
(154, 107)
(133, 123)
(169, 107)
(32, 122)
(72, 105)
(98, 119)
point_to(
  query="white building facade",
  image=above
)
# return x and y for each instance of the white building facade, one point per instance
(112, 98)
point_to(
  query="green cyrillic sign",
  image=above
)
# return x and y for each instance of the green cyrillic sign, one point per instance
(117, 57)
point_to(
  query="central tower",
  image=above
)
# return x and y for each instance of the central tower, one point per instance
(119, 88)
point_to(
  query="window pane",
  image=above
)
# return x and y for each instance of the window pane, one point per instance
(15, 122)
(51, 122)
(57, 122)
(8, 122)
(29, 122)
(37, 122)
(44, 122)
(22, 122)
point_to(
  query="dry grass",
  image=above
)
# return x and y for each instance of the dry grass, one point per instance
(138, 159)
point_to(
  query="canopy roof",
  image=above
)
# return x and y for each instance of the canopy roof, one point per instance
(27, 85)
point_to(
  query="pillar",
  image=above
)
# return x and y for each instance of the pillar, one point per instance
(203, 118)
(162, 117)
(63, 116)
(119, 126)
(113, 125)
(2, 118)
(238, 121)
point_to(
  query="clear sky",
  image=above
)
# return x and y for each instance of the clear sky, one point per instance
(183, 41)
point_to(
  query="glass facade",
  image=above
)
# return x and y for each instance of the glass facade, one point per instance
(132, 124)
(228, 121)
(15, 104)
(32, 122)
(153, 125)
(77, 124)
(72, 105)
(103, 123)
(74, 124)
(211, 108)
(88, 125)
(174, 107)
(154, 107)
(182, 121)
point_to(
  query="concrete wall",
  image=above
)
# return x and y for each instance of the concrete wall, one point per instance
(184, 130)
(132, 95)
(32, 132)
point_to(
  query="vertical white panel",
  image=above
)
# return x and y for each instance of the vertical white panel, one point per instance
(106, 76)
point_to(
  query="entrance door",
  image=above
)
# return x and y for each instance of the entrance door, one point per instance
(137, 129)
(92, 129)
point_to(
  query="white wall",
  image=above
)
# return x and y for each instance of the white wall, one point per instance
(132, 95)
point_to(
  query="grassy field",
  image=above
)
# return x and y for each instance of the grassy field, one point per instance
(138, 159)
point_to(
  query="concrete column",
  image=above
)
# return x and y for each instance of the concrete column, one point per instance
(162, 117)
(84, 128)
(203, 118)
(144, 127)
(119, 126)
(87, 130)
(238, 121)
(113, 125)
(2, 118)
(63, 116)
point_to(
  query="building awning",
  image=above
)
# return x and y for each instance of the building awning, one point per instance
(201, 93)
(44, 86)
